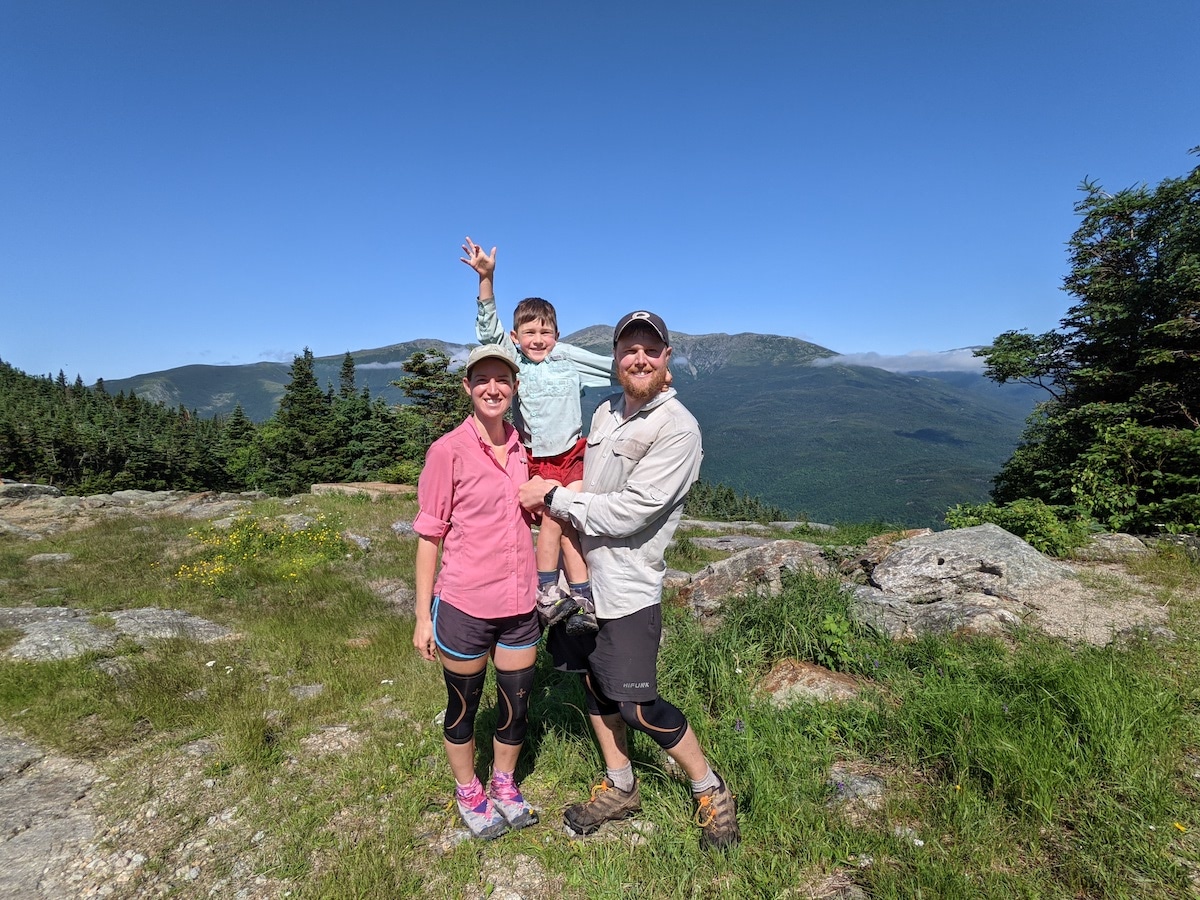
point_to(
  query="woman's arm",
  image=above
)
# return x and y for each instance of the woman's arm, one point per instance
(427, 551)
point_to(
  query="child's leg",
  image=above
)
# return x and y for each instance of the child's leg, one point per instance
(550, 537)
(572, 556)
(584, 621)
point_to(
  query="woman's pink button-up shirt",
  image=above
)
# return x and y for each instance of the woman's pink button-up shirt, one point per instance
(469, 503)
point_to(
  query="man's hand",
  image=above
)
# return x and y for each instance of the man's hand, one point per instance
(481, 262)
(533, 492)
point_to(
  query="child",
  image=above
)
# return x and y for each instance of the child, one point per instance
(550, 421)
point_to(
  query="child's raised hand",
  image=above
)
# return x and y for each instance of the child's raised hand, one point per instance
(481, 262)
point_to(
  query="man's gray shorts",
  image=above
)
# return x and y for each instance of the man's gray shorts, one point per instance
(622, 656)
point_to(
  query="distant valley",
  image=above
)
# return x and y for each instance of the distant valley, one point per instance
(833, 442)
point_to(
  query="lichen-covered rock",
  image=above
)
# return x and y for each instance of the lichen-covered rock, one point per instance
(757, 571)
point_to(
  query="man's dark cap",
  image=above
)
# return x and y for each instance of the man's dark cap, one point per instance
(649, 318)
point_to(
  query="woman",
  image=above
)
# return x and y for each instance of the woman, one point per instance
(481, 603)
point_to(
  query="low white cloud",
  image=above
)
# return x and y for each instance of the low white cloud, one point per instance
(395, 364)
(962, 360)
(279, 355)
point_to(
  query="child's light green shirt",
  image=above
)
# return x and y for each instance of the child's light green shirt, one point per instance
(547, 414)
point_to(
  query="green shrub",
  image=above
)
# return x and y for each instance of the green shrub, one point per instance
(404, 472)
(1031, 520)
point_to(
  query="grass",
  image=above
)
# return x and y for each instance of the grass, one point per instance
(1019, 769)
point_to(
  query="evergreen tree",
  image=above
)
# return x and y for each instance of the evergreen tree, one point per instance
(346, 377)
(1118, 438)
(298, 444)
(438, 402)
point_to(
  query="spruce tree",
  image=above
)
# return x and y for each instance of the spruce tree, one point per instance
(1119, 439)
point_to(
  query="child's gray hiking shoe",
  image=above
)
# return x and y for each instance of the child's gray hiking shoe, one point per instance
(583, 621)
(553, 605)
(716, 814)
(607, 804)
(484, 820)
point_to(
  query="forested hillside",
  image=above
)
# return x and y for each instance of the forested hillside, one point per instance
(88, 440)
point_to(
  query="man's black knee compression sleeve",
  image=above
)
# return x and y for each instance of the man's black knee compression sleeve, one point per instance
(664, 723)
(463, 693)
(597, 703)
(512, 704)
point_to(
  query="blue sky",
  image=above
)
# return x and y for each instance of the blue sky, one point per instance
(228, 182)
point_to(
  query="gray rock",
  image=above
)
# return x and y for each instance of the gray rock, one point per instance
(58, 632)
(152, 623)
(984, 559)
(363, 543)
(902, 618)
(60, 639)
(851, 787)
(16, 491)
(757, 571)
(811, 526)
(373, 489)
(727, 527)
(18, 531)
(50, 558)
(730, 543)
(1110, 547)
(396, 593)
(306, 691)
(403, 527)
(674, 578)
(46, 819)
(296, 521)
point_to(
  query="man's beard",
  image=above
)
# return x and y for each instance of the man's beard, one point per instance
(641, 391)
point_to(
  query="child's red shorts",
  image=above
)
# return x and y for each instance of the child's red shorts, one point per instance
(563, 468)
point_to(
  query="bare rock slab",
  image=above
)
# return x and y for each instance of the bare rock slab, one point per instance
(46, 819)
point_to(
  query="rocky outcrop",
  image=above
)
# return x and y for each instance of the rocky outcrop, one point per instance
(44, 511)
(373, 489)
(980, 580)
(793, 680)
(757, 571)
(984, 580)
(61, 633)
(46, 819)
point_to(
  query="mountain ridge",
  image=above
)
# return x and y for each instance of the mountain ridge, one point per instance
(834, 442)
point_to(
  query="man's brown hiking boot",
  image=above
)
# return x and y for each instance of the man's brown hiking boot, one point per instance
(608, 804)
(716, 814)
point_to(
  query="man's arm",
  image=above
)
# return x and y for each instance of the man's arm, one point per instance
(660, 480)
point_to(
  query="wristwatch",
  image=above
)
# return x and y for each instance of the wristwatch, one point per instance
(546, 500)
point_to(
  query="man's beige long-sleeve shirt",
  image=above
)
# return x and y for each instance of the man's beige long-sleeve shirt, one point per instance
(636, 474)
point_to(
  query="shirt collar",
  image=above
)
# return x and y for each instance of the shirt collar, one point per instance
(663, 397)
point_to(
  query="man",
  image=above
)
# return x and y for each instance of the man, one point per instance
(643, 455)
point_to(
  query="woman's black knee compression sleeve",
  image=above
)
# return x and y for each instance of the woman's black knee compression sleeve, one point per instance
(512, 704)
(463, 693)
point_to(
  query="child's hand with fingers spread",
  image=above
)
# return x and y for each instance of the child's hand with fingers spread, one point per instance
(481, 262)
